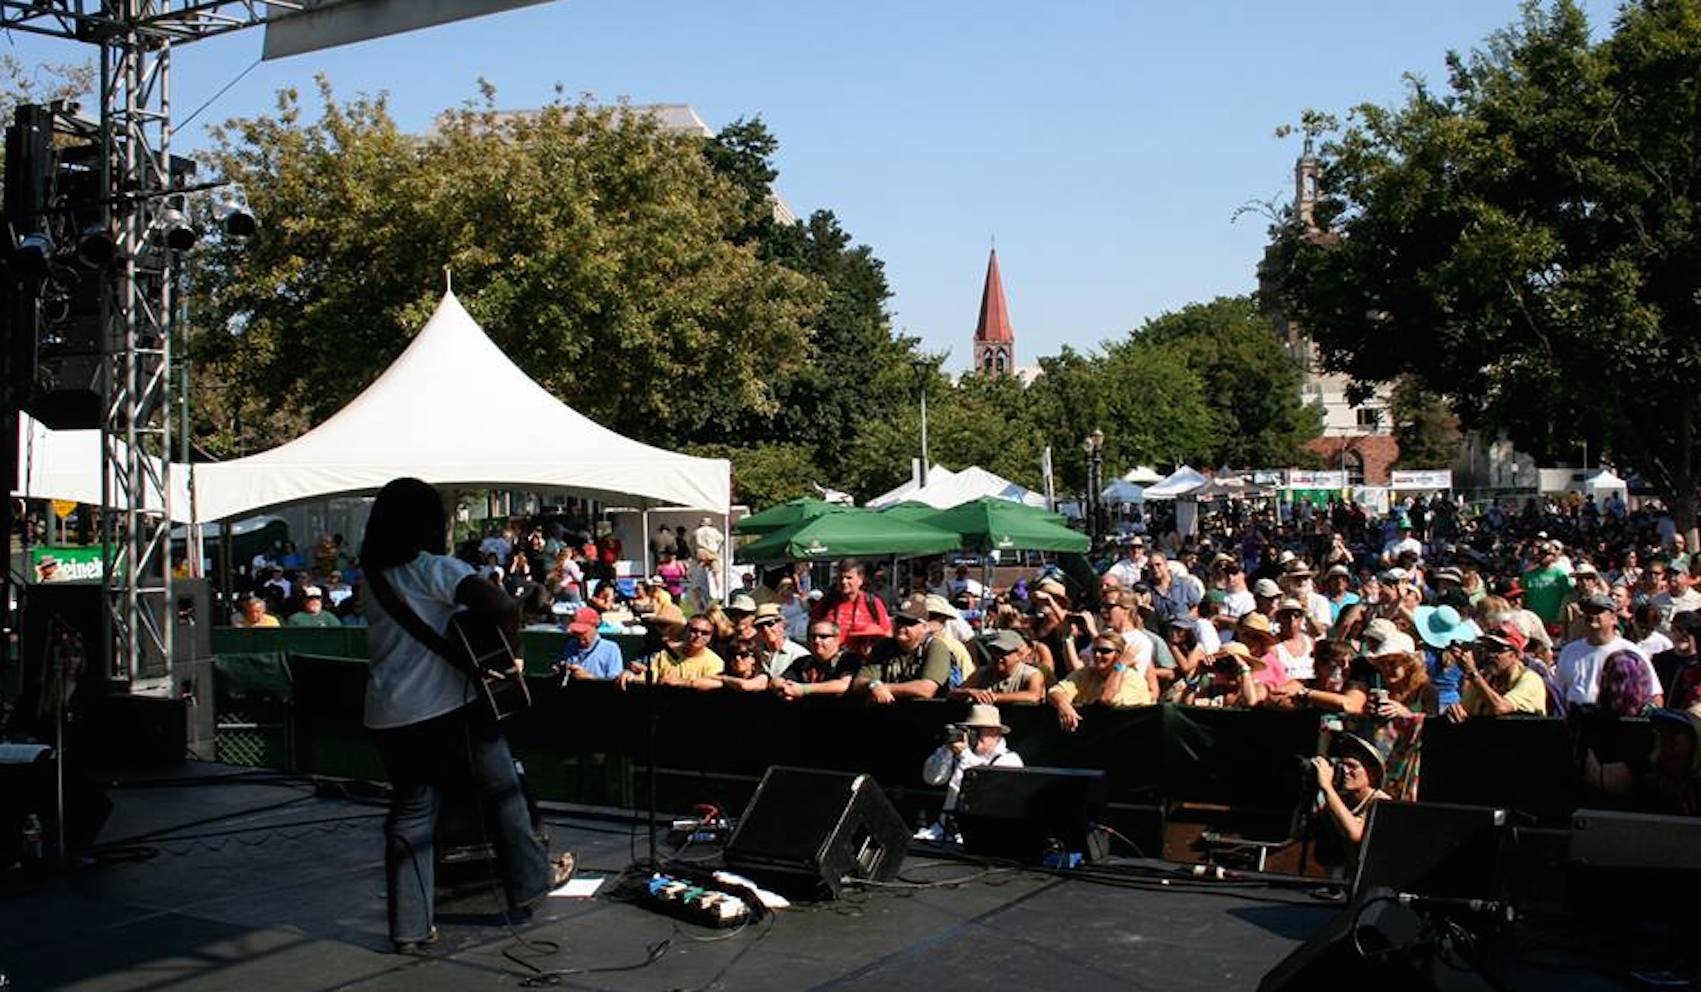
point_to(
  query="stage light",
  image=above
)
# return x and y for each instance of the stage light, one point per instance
(174, 227)
(234, 216)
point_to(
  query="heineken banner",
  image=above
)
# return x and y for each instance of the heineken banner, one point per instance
(1305, 479)
(1433, 478)
(66, 564)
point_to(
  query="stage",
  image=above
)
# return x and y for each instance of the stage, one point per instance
(218, 877)
(214, 877)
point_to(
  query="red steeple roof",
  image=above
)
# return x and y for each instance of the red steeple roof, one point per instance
(994, 324)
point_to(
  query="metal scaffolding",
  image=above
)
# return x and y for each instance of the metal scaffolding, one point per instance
(141, 196)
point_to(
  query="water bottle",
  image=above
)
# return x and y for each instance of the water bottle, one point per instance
(32, 837)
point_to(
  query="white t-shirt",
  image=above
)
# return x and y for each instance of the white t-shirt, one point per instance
(409, 682)
(1580, 664)
(1239, 604)
(1206, 633)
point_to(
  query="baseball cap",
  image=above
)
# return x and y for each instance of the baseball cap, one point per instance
(914, 608)
(1266, 589)
(939, 607)
(312, 592)
(1598, 602)
(586, 619)
(1002, 641)
(741, 604)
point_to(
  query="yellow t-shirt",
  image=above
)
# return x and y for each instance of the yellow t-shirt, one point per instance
(1527, 695)
(705, 666)
(265, 621)
(1083, 686)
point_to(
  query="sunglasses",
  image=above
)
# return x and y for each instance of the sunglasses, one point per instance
(821, 635)
(1099, 650)
(699, 632)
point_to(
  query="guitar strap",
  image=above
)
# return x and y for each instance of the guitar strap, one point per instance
(412, 622)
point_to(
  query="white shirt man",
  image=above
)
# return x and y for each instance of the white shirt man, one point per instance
(1679, 596)
(1392, 551)
(1581, 661)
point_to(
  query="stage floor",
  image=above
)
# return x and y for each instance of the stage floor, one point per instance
(238, 879)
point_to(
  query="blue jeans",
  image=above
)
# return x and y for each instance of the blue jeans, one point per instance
(463, 751)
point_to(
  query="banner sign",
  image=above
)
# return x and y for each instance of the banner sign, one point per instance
(1306, 479)
(1432, 478)
(66, 564)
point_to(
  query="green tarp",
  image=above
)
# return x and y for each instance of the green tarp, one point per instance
(787, 514)
(992, 524)
(850, 534)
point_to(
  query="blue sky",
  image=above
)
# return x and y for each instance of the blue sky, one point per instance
(1106, 145)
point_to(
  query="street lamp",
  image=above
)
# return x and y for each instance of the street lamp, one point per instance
(924, 372)
(1094, 447)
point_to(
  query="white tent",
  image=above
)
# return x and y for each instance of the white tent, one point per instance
(971, 484)
(1143, 475)
(893, 497)
(66, 465)
(1182, 481)
(1604, 481)
(1123, 491)
(432, 415)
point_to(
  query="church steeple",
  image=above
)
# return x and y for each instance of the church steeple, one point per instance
(995, 341)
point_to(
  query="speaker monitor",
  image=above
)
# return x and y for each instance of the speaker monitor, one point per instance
(806, 830)
(1435, 849)
(1376, 943)
(1024, 813)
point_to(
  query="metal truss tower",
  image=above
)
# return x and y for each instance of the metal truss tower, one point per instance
(140, 312)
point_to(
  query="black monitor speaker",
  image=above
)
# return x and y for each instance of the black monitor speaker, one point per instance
(1025, 813)
(806, 830)
(1439, 850)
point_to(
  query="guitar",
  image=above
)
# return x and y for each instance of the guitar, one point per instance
(481, 649)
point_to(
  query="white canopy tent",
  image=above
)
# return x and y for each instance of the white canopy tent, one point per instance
(1182, 481)
(892, 497)
(971, 483)
(66, 465)
(422, 418)
(1605, 481)
(1143, 475)
(1123, 491)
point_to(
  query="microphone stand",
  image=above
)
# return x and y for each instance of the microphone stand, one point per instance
(652, 718)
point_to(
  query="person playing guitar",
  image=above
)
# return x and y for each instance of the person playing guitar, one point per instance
(433, 726)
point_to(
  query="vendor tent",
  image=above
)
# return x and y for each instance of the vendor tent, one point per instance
(431, 415)
(971, 484)
(991, 524)
(905, 492)
(1123, 491)
(1604, 481)
(1181, 482)
(850, 534)
(787, 514)
(1143, 475)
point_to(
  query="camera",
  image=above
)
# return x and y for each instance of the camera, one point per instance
(1227, 665)
(954, 733)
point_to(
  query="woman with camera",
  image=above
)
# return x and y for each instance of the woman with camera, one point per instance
(1349, 783)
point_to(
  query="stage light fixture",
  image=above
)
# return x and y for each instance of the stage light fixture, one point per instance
(234, 216)
(178, 233)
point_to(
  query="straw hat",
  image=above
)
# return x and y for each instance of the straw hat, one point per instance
(985, 716)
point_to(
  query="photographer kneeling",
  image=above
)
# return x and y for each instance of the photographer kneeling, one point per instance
(1349, 784)
(977, 741)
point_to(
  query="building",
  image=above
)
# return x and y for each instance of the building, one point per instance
(995, 340)
(1357, 437)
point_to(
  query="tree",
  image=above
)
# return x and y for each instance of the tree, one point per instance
(858, 370)
(1528, 243)
(764, 474)
(1426, 430)
(598, 251)
(1250, 383)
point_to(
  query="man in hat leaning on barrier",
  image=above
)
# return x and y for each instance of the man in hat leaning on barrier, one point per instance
(1349, 781)
(977, 741)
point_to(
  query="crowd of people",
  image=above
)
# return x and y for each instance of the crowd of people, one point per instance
(1431, 611)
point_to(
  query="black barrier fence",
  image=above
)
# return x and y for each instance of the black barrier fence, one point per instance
(584, 743)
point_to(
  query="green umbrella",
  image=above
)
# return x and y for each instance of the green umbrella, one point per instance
(993, 524)
(787, 514)
(849, 534)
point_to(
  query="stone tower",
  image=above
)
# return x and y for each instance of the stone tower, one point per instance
(995, 341)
